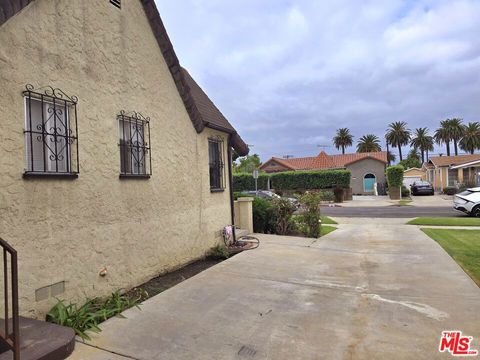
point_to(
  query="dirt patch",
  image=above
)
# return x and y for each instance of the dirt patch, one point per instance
(161, 283)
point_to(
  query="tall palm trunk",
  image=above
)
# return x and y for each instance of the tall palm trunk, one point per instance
(400, 152)
(427, 155)
(343, 149)
(423, 156)
(455, 145)
(448, 147)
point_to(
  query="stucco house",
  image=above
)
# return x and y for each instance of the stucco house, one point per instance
(444, 171)
(366, 168)
(113, 160)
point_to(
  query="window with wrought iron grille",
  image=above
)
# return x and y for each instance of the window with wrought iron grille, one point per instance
(215, 154)
(51, 140)
(134, 143)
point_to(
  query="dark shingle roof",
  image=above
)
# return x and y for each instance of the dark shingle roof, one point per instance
(211, 115)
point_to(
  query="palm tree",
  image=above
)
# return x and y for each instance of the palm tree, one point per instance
(368, 143)
(442, 135)
(471, 137)
(391, 157)
(398, 135)
(456, 132)
(422, 141)
(343, 139)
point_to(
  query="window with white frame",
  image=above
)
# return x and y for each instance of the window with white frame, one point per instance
(51, 145)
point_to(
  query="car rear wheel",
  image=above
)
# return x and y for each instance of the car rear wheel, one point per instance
(476, 212)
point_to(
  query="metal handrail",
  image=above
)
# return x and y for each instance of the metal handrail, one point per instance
(10, 340)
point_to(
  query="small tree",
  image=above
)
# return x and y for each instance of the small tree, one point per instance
(311, 216)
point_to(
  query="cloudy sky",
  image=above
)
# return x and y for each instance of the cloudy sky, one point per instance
(287, 74)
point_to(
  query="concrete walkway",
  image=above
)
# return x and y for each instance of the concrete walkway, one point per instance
(373, 289)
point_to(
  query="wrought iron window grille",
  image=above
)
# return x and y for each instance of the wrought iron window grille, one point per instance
(51, 132)
(134, 144)
(116, 3)
(216, 163)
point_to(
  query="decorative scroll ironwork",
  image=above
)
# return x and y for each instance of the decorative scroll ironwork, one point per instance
(217, 165)
(135, 151)
(51, 131)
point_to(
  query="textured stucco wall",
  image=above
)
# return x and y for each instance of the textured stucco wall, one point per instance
(69, 230)
(367, 166)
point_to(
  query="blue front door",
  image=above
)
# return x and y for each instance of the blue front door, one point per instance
(368, 182)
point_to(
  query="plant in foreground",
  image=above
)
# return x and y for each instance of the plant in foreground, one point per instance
(88, 316)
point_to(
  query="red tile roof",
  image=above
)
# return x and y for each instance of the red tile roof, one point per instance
(325, 161)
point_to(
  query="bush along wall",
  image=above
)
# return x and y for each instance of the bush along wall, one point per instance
(246, 182)
(294, 180)
(306, 180)
(395, 181)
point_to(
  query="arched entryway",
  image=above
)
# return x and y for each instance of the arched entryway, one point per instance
(369, 181)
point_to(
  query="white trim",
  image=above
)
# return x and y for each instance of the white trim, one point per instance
(465, 165)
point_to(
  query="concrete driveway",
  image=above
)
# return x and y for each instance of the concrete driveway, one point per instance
(373, 289)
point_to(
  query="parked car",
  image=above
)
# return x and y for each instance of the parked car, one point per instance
(422, 187)
(468, 202)
(270, 195)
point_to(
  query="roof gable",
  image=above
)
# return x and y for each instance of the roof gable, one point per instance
(200, 108)
(325, 161)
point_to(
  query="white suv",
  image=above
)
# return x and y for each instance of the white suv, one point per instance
(468, 202)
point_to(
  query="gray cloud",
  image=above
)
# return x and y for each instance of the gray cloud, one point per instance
(288, 73)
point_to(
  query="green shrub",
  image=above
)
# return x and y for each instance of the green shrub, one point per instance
(307, 180)
(88, 316)
(283, 210)
(219, 251)
(326, 196)
(246, 182)
(395, 176)
(263, 216)
(294, 180)
(311, 215)
(450, 190)
(405, 192)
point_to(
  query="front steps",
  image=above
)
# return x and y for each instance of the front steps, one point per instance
(40, 340)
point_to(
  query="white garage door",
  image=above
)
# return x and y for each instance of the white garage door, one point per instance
(409, 180)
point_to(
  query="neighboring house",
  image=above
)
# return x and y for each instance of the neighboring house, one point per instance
(443, 171)
(413, 174)
(366, 168)
(124, 171)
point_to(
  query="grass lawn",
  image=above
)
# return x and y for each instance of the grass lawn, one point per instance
(328, 221)
(404, 202)
(462, 245)
(327, 230)
(460, 221)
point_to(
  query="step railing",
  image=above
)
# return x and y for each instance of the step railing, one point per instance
(10, 337)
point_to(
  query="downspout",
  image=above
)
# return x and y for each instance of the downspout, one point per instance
(230, 185)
